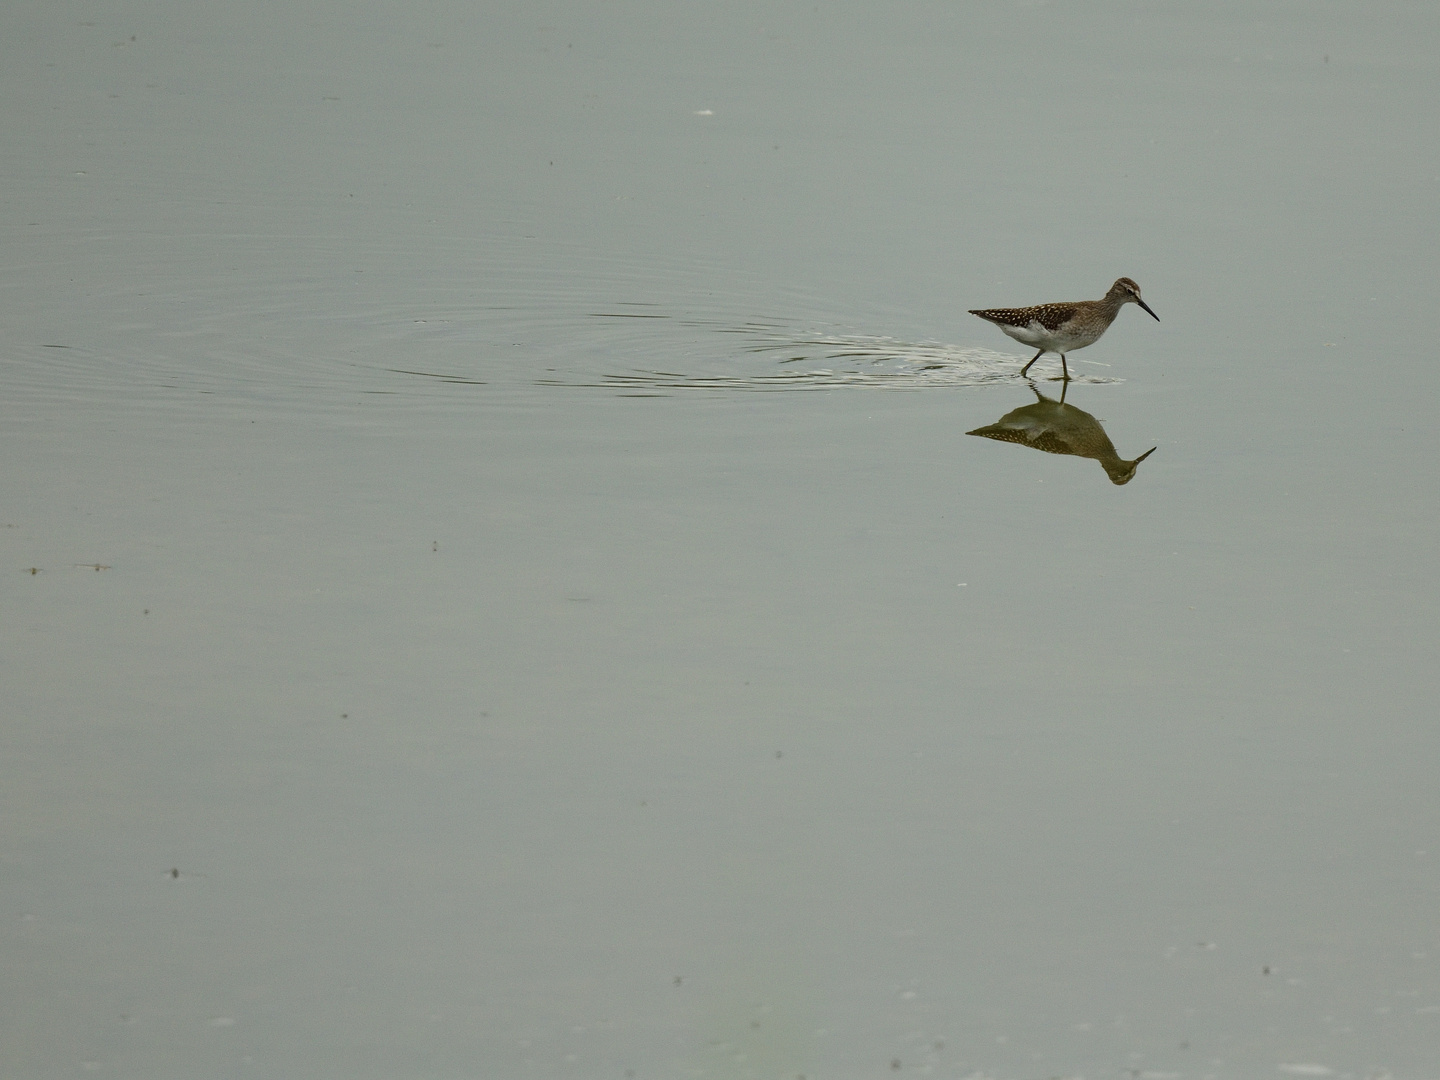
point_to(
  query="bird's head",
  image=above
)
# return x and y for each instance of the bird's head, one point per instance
(1127, 292)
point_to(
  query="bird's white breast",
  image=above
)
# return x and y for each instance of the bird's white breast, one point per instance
(1034, 335)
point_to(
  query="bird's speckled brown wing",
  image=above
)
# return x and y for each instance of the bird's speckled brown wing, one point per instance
(1050, 316)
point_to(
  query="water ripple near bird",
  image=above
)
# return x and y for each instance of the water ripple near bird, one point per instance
(801, 360)
(309, 324)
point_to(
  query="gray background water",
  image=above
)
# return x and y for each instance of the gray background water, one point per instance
(415, 665)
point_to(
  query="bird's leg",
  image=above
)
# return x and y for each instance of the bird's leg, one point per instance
(1032, 360)
(1064, 367)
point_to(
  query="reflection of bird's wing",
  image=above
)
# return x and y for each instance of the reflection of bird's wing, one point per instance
(1025, 424)
(1052, 442)
(1003, 433)
(1027, 431)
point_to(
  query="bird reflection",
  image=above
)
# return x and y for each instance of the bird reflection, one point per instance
(1058, 428)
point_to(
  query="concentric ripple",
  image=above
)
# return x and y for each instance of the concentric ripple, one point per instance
(311, 323)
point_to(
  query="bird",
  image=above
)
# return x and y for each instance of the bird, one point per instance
(1058, 428)
(1062, 328)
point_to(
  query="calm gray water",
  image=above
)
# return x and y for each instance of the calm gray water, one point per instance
(495, 581)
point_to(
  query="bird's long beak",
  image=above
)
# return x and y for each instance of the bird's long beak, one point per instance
(1147, 308)
(1147, 453)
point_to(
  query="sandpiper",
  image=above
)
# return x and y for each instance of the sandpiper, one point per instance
(1063, 328)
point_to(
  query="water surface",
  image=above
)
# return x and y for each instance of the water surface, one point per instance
(497, 582)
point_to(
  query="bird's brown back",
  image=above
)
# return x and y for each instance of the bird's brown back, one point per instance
(1050, 316)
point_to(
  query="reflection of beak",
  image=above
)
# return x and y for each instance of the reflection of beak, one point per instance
(1152, 449)
(1147, 308)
